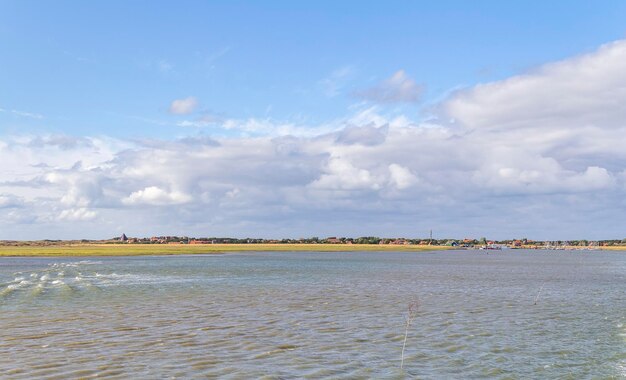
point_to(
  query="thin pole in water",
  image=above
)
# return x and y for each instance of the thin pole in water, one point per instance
(412, 312)
(538, 293)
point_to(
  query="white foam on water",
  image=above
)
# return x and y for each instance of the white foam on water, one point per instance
(37, 290)
(89, 262)
(6, 291)
(60, 277)
(130, 279)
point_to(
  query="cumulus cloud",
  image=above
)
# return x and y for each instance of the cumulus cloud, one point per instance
(77, 214)
(584, 91)
(341, 174)
(401, 177)
(537, 154)
(400, 88)
(552, 129)
(9, 201)
(183, 106)
(154, 195)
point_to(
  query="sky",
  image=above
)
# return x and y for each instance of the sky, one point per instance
(284, 119)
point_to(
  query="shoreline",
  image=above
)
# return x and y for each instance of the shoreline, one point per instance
(121, 250)
(87, 250)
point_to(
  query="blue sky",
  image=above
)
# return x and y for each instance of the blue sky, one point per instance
(103, 67)
(94, 86)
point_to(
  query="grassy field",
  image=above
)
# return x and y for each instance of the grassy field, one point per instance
(175, 249)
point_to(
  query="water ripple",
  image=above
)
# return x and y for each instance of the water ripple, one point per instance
(278, 316)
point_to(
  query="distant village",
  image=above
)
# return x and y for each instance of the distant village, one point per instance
(466, 243)
(480, 243)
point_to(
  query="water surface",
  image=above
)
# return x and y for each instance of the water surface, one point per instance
(316, 315)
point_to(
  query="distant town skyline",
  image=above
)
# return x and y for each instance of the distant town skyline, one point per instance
(240, 119)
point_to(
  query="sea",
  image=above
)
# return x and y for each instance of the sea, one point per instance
(510, 314)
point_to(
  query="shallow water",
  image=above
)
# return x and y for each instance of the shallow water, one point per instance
(316, 315)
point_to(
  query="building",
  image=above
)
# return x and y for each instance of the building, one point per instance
(199, 242)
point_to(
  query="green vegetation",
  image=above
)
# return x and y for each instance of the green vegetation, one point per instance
(187, 249)
(180, 245)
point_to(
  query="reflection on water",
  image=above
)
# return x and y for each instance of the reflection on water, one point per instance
(316, 315)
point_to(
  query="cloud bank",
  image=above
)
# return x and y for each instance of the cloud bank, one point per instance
(537, 155)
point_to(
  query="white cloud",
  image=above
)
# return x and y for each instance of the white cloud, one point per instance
(401, 177)
(524, 155)
(193, 123)
(184, 106)
(579, 92)
(154, 195)
(269, 127)
(341, 174)
(77, 214)
(9, 201)
(400, 88)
